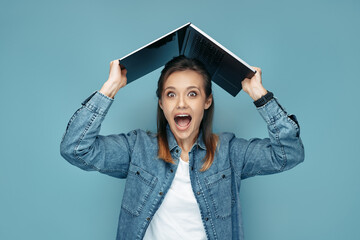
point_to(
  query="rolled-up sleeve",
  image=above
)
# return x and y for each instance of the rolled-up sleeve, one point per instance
(82, 146)
(282, 150)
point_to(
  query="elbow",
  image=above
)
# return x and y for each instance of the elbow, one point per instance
(296, 155)
(301, 152)
(66, 147)
(66, 151)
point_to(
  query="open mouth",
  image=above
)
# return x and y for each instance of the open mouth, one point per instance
(182, 120)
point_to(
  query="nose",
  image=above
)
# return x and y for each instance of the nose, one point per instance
(181, 102)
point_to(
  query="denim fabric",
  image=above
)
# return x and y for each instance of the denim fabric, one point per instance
(134, 156)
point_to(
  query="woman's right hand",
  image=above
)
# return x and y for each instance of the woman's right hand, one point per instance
(117, 79)
(116, 75)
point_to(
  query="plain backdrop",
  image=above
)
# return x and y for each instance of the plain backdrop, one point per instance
(54, 54)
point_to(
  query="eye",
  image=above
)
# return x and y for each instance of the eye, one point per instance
(192, 94)
(170, 94)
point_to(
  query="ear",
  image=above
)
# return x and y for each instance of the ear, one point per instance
(160, 104)
(208, 101)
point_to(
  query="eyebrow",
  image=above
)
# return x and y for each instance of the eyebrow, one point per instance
(186, 88)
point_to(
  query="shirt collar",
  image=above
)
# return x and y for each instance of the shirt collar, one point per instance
(172, 141)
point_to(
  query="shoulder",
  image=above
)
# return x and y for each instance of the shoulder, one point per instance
(142, 133)
(145, 136)
(229, 140)
(225, 136)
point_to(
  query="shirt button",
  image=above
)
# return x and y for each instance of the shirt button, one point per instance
(171, 170)
(160, 193)
(192, 168)
(198, 193)
(223, 176)
(177, 150)
(137, 173)
(206, 219)
(148, 219)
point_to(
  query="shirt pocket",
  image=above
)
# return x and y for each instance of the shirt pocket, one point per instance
(219, 187)
(139, 185)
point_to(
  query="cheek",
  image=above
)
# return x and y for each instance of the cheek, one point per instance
(166, 110)
(199, 114)
(168, 105)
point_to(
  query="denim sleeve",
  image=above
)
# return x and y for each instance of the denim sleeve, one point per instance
(82, 146)
(282, 150)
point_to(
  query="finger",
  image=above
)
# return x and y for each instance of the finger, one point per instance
(124, 72)
(258, 70)
(122, 67)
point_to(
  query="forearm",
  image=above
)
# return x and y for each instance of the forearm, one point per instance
(84, 147)
(284, 134)
(110, 89)
(282, 150)
(83, 128)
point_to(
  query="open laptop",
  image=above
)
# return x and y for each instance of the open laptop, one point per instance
(227, 70)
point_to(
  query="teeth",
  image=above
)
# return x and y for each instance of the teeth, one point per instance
(182, 115)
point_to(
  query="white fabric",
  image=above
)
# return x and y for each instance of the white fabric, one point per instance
(178, 217)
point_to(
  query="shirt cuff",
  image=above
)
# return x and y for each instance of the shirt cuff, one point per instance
(271, 111)
(98, 103)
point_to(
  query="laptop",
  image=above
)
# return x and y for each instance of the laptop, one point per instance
(226, 69)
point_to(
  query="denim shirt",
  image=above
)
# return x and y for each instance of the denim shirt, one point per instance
(133, 156)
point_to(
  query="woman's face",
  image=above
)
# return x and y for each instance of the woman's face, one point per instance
(183, 102)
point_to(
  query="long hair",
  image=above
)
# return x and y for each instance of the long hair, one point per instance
(182, 63)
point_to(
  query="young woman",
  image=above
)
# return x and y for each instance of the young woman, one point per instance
(184, 181)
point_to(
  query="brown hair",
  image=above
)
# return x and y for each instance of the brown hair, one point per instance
(182, 63)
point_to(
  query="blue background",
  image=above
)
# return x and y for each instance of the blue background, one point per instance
(54, 54)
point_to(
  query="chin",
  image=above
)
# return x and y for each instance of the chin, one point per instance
(182, 133)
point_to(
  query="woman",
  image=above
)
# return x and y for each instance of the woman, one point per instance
(184, 181)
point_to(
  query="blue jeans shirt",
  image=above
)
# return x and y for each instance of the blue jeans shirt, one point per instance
(134, 156)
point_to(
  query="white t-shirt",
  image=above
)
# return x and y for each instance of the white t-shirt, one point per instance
(178, 216)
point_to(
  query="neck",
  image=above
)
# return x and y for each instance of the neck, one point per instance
(186, 144)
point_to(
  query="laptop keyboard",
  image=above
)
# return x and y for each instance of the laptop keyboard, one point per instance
(206, 52)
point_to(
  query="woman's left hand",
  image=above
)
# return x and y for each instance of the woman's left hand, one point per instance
(253, 86)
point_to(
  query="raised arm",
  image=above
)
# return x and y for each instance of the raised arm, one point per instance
(282, 150)
(81, 144)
